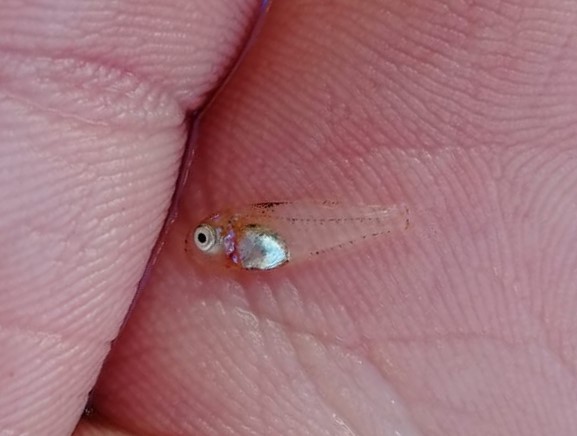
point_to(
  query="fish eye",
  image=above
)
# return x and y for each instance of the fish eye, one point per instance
(204, 237)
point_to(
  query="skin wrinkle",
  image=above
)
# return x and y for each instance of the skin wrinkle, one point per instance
(385, 377)
(262, 335)
(320, 339)
(262, 388)
(237, 377)
(293, 328)
(337, 412)
(29, 104)
(428, 395)
(394, 401)
(43, 335)
(269, 419)
(288, 404)
(104, 59)
(264, 319)
(106, 63)
(305, 371)
(342, 412)
(114, 93)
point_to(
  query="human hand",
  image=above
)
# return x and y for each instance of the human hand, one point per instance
(461, 326)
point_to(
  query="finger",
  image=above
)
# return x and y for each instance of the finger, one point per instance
(466, 113)
(92, 103)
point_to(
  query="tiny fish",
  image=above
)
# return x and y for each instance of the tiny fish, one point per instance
(265, 236)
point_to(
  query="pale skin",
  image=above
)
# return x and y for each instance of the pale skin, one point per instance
(464, 110)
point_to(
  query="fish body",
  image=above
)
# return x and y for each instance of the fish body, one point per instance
(265, 236)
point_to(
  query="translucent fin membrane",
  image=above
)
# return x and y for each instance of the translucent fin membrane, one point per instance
(313, 228)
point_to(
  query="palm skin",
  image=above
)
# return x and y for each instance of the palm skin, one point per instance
(463, 326)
